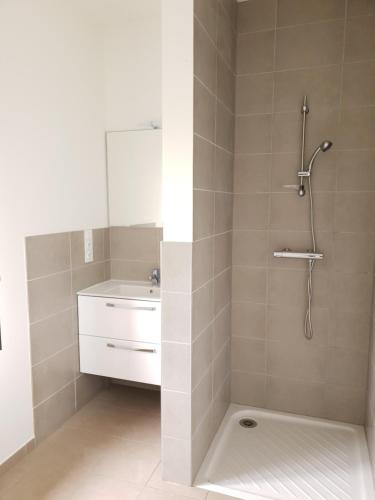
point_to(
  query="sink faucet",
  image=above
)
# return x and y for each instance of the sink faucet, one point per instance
(155, 277)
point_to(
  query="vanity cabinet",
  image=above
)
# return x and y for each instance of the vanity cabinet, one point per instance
(119, 337)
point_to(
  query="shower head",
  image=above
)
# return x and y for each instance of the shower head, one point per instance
(324, 146)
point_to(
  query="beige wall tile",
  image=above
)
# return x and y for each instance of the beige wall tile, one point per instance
(359, 84)
(249, 389)
(355, 170)
(256, 15)
(49, 415)
(83, 277)
(131, 270)
(220, 404)
(250, 211)
(202, 308)
(201, 399)
(224, 127)
(360, 7)
(176, 266)
(354, 252)
(202, 440)
(288, 212)
(303, 398)
(222, 252)
(221, 329)
(203, 262)
(250, 248)
(309, 45)
(254, 93)
(360, 39)
(248, 355)
(255, 52)
(142, 244)
(249, 320)
(176, 316)
(53, 374)
(344, 404)
(176, 414)
(249, 284)
(221, 368)
(223, 170)
(347, 367)
(87, 386)
(204, 57)
(253, 134)
(351, 292)
(223, 212)
(204, 164)
(201, 356)
(49, 295)
(225, 39)
(353, 212)
(206, 12)
(225, 83)
(203, 210)
(51, 335)
(303, 11)
(175, 366)
(222, 290)
(204, 112)
(350, 330)
(297, 360)
(251, 173)
(321, 85)
(356, 128)
(47, 254)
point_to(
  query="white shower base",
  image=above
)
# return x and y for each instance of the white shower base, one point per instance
(287, 457)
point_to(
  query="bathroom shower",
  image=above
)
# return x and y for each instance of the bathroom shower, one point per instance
(312, 255)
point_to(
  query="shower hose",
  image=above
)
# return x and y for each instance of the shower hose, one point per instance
(308, 317)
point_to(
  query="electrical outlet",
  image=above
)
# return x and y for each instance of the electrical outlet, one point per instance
(89, 247)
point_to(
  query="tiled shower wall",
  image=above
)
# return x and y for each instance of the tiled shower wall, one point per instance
(197, 282)
(55, 272)
(326, 50)
(214, 79)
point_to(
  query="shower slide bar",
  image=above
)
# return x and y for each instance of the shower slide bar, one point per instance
(289, 254)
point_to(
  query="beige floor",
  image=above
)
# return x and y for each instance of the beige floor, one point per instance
(110, 450)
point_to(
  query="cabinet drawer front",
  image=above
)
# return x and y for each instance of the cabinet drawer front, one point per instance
(136, 361)
(122, 319)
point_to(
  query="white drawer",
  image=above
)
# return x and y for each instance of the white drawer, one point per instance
(136, 361)
(123, 319)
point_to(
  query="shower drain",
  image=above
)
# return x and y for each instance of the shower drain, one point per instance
(248, 423)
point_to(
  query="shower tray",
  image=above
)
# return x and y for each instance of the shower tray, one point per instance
(281, 456)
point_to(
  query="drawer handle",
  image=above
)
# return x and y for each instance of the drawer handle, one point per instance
(137, 349)
(134, 308)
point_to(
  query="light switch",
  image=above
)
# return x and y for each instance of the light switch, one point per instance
(89, 248)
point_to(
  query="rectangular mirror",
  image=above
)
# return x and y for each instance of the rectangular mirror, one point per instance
(134, 178)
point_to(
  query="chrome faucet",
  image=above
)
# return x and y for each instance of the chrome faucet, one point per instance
(155, 277)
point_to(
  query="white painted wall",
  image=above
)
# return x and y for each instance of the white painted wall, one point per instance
(52, 169)
(177, 112)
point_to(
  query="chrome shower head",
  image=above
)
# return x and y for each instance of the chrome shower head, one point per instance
(325, 146)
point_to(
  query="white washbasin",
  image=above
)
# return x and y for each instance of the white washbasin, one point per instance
(122, 289)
